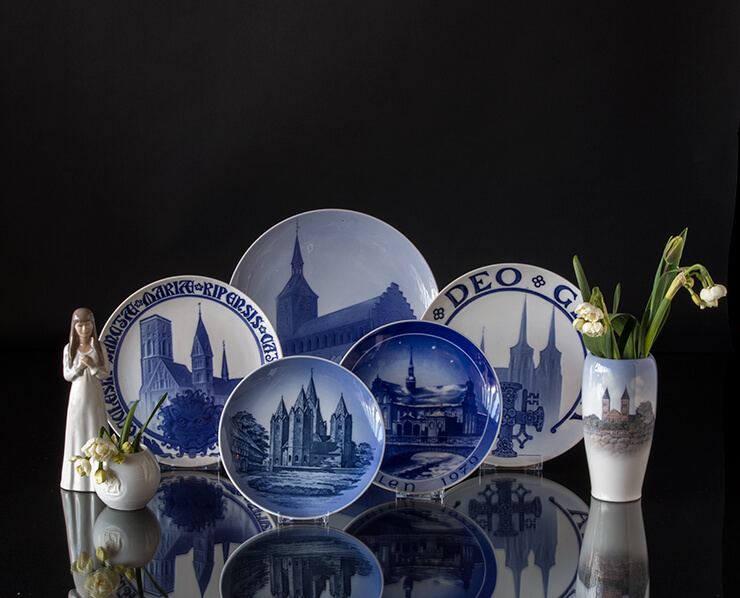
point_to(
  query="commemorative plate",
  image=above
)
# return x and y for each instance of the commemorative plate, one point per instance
(301, 437)
(302, 561)
(428, 549)
(440, 402)
(521, 317)
(327, 277)
(194, 338)
(536, 528)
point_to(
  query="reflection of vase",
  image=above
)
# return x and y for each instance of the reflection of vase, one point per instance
(619, 399)
(614, 555)
(131, 484)
(131, 538)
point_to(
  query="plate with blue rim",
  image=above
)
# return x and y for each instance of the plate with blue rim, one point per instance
(301, 437)
(521, 316)
(194, 338)
(440, 402)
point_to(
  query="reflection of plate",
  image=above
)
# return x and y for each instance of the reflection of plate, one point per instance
(536, 528)
(194, 338)
(302, 437)
(327, 277)
(521, 316)
(302, 561)
(440, 402)
(203, 519)
(427, 549)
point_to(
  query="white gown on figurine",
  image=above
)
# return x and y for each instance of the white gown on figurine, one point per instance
(85, 414)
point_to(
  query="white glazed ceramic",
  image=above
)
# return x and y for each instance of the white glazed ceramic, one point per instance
(521, 316)
(619, 400)
(131, 538)
(614, 555)
(131, 484)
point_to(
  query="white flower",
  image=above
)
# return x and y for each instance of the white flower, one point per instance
(578, 324)
(589, 312)
(593, 329)
(100, 449)
(102, 583)
(710, 295)
(83, 564)
(83, 467)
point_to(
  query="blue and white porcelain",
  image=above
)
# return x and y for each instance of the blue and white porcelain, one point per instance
(428, 549)
(204, 519)
(521, 317)
(327, 277)
(301, 437)
(302, 561)
(440, 402)
(536, 527)
(194, 338)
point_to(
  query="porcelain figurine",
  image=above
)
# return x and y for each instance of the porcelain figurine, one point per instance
(85, 365)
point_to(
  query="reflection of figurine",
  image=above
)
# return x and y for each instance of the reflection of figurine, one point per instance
(85, 364)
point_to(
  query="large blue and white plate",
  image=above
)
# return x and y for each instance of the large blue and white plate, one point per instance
(328, 277)
(302, 561)
(301, 437)
(521, 317)
(194, 338)
(440, 402)
(535, 525)
(428, 549)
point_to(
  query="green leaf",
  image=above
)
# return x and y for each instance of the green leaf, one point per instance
(617, 297)
(581, 279)
(137, 440)
(126, 429)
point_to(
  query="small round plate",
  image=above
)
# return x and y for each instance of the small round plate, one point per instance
(536, 528)
(301, 437)
(427, 547)
(440, 402)
(521, 317)
(194, 338)
(327, 277)
(302, 561)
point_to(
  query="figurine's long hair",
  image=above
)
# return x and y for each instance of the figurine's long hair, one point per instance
(83, 314)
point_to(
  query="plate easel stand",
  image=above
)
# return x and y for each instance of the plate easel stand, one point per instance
(282, 522)
(437, 496)
(535, 466)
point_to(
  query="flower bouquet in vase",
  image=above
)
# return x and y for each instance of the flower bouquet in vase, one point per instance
(127, 474)
(620, 377)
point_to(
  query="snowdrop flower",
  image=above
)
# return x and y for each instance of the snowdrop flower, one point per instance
(100, 449)
(100, 476)
(711, 294)
(102, 583)
(593, 329)
(83, 467)
(589, 312)
(578, 324)
(83, 564)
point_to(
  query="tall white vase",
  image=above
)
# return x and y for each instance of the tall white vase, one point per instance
(619, 404)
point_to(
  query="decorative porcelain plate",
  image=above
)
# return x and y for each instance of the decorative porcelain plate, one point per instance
(428, 549)
(203, 519)
(521, 317)
(302, 561)
(536, 527)
(301, 437)
(328, 277)
(194, 338)
(440, 402)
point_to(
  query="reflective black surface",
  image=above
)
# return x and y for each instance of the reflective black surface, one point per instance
(533, 521)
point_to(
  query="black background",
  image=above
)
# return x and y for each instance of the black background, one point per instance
(143, 140)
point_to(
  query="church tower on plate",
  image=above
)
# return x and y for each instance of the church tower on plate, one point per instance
(297, 303)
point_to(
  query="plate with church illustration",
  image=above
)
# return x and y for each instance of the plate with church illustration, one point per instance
(328, 277)
(521, 317)
(193, 338)
(301, 437)
(440, 402)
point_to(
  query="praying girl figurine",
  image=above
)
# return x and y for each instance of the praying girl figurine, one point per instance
(85, 365)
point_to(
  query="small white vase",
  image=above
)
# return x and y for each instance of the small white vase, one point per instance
(618, 403)
(131, 484)
(131, 538)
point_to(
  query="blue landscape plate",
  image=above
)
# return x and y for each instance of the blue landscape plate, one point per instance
(302, 561)
(328, 277)
(193, 338)
(440, 403)
(301, 437)
(521, 317)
